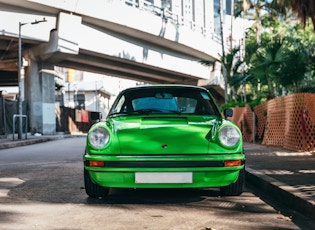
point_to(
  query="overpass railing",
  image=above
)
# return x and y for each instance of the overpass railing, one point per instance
(168, 15)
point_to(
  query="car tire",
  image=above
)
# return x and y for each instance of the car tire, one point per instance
(236, 188)
(93, 190)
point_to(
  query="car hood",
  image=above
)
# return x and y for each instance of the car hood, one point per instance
(163, 134)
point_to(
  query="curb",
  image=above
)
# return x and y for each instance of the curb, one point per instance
(32, 140)
(283, 193)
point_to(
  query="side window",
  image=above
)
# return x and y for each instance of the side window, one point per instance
(187, 105)
(208, 107)
(118, 108)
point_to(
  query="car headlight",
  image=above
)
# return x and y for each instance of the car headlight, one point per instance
(229, 136)
(99, 137)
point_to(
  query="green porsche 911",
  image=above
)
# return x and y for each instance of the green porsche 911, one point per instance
(164, 136)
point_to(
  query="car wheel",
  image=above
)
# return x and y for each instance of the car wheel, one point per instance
(236, 188)
(93, 190)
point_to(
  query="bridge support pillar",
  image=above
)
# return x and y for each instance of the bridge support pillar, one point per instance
(40, 95)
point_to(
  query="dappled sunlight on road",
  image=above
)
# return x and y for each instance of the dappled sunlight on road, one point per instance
(8, 182)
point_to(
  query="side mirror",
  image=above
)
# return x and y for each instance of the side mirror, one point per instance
(228, 113)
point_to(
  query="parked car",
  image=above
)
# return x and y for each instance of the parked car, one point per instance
(164, 136)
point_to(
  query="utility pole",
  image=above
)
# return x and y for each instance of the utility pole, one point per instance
(223, 52)
(21, 92)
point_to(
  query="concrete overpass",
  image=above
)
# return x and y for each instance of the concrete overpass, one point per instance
(103, 36)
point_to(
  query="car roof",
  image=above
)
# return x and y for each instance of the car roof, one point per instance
(163, 86)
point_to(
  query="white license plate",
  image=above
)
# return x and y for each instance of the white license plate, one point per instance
(163, 177)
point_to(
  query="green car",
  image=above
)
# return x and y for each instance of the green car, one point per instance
(164, 136)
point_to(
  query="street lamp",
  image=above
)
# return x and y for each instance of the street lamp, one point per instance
(19, 75)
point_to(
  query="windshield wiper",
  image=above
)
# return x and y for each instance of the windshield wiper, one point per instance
(173, 111)
(147, 111)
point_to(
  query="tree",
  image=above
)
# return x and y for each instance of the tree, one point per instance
(265, 65)
(300, 42)
(235, 76)
(283, 59)
(278, 56)
(255, 7)
(305, 9)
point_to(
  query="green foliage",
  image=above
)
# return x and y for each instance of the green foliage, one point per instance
(279, 54)
(252, 103)
(283, 59)
(232, 104)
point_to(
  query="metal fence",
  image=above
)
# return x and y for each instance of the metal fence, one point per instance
(8, 109)
(68, 120)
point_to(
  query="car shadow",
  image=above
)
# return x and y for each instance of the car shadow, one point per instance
(154, 196)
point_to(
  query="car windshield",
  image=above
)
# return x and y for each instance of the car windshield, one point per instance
(164, 100)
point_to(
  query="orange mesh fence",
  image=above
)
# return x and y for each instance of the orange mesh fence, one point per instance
(300, 132)
(287, 122)
(243, 118)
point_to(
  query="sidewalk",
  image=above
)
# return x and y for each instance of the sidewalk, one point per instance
(8, 142)
(286, 175)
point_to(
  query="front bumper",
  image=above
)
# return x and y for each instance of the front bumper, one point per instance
(173, 171)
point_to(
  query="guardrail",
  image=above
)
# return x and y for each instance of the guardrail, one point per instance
(13, 124)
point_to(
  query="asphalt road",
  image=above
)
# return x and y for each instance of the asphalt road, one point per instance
(41, 187)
